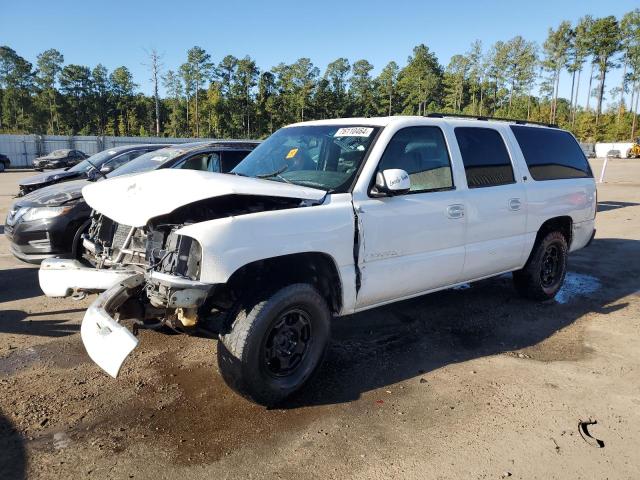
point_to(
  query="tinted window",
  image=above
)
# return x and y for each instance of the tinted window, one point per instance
(149, 161)
(232, 158)
(125, 158)
(199, 161)
(551, 154)
(422, 153)
(485, 157)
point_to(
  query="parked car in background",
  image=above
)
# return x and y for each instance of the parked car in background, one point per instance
(103, 162)
(324, 219)
(4, 162)
(50, 221)
(614, 154)
(589, 149)
(59, 159)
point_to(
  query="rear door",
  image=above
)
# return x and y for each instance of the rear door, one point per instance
(495, 202)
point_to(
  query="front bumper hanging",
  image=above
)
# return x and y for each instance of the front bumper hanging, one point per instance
(61, 277)
(107, 342)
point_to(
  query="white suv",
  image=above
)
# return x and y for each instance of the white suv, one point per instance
(323, 219)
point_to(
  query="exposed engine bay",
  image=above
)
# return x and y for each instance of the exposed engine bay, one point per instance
(171, 294)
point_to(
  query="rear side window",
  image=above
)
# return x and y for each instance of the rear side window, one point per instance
(485, 157)
(551, 154)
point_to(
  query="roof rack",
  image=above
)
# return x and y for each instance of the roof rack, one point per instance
(517, 121)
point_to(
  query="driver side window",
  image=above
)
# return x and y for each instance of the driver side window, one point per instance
(422, 153)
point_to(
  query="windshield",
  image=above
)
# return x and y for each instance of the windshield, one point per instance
(98, 159)
(148, 161)
(59, 153)
(319, 156)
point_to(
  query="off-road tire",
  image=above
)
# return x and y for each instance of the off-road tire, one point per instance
(243, 352)
(531, 282)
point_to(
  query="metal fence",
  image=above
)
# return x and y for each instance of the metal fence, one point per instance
(22, 149)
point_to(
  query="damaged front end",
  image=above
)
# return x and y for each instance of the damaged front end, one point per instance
(161, 291)
(157, 276)
(110, 253)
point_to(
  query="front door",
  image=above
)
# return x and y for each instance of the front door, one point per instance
(414, 242)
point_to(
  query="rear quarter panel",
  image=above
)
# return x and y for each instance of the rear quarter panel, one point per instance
(546, 199)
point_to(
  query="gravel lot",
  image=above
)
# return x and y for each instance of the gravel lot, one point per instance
(468, 383)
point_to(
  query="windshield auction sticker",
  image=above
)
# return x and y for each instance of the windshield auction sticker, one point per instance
(354, 132)
(292, 153)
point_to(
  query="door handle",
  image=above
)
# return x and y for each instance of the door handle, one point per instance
(455, 211)
(514, 204)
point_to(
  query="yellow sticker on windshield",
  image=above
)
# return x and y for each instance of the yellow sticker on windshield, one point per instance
(292, 153)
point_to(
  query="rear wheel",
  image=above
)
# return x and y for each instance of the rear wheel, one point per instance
(275, 344)
(543, 275)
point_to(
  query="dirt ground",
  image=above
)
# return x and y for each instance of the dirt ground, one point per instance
(471, 383)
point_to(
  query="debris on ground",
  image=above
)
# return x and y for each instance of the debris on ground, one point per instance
(583, 428)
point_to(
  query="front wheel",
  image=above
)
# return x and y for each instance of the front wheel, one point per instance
(275, 344)
(76, 246)
(2, 166)
(543, 275)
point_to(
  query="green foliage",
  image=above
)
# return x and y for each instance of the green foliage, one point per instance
(236, 99)
(420, 82)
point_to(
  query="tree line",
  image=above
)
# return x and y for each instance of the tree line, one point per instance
(234, 98)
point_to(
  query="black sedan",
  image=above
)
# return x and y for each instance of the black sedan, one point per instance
(59, 159)
(105, 161)
(4, 162)
(50, 221)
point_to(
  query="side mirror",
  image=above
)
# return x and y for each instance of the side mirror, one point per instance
(393, 181)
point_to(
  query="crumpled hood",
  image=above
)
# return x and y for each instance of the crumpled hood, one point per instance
(48, 177)
(135, 199)
(53, 195)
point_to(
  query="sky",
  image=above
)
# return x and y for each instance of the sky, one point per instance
(116, 32)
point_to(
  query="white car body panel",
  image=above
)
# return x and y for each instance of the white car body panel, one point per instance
(405, 237)
(107, 342)
(161, 191)
(60, 277)
(575, 198)
(232, 242)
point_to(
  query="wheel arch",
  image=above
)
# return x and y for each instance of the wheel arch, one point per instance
(317, 268)
(563, 224)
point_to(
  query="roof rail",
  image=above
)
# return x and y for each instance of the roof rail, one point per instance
(517, 121)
